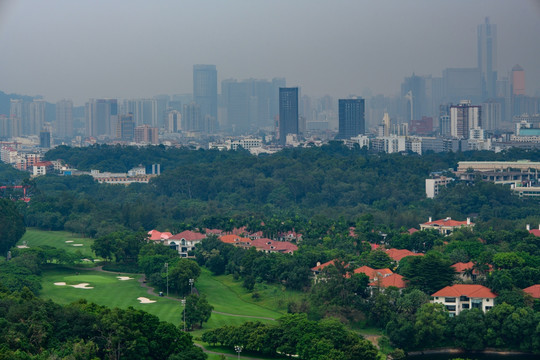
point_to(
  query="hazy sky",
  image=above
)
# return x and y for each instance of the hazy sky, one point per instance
(80, 49)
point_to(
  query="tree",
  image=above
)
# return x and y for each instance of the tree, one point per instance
(469, 329)
(197, 310)
(429, 273)
(430, 325)
(11, 225)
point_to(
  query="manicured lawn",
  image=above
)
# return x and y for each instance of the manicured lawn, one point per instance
(58, 239)
(227, 295)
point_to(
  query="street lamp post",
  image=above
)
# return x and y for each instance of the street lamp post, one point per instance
(238, 349)
(184, 305)
(167, 267)
(191, 281)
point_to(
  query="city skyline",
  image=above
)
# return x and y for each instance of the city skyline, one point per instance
(141, 50)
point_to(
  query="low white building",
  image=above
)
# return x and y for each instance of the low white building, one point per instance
(457, 298)
(433, 185)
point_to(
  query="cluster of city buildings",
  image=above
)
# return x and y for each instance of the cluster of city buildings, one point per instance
(521, 176)
(476, 108)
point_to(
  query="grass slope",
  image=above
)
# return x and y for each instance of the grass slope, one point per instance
(57, 239)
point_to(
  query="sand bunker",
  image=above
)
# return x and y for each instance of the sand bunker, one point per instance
(124, 278)
(76, 244)
(22, 246)
(144, 300)
(82, 286)
(60, 283)
(69, 241)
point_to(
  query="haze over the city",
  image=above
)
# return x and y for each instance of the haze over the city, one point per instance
(135, 49)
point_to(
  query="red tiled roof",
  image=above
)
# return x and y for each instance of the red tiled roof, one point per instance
(412, 231)
(447, 222)
(239, 231)
(395, 280)
(398, 254)
(534, 291)
(322, 266)
(156, 235)
(461, 266)
(214, 231)
(374, 246)
(535, 232)
(472, 291)
(373, 273)
(277, 246)
(234, 239)
(188, 235)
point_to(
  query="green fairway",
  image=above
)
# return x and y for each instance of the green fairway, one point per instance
(229, 297)
(60, 240)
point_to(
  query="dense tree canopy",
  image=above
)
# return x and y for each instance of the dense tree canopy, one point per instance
(11, 225)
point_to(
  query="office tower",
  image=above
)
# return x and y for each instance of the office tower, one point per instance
(64, 119)
(351, 118)
(205, 90)
(191, 117)
(274, 98)
(487, 57)
(45, 139)
(518, 80)
(37, 116)
(101, 117)
(174, 121)
(422, 127)
(491, 115)
(5, 127)
(16, 116)
(462, 83)
(463, 118)
(236, 99)
(161, 110)
(125, 128)
(288, 113)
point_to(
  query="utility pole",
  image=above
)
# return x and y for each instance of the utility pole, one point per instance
(184, 305)
(191, 281)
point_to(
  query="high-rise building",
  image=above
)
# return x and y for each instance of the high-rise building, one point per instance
(491, 115)
(146, 134)
(487, 57)
(205, 90)
(463, 118)
(413, 89)
(45, 139)
(101, 117)
(518, 80)
(191, 117)
(37, 116)
(174, 121)
(462, 83)
(288, 113)
(352, 120)
(64, 118)
(126, 127)
(16, 116)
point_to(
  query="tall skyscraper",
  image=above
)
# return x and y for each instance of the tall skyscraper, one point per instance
(413, 89)
(101, 117)
(205, 90)
(191, 117)
(351, 118)
(16, 115)
(491, 115)
(463, 118)
(487, 57)
(288, 113)
(37, 116)
(64, 118)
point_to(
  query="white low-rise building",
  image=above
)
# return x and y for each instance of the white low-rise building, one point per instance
(457, 298)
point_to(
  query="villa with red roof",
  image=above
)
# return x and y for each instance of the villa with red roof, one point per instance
(535, 232)
(373, 274)
(185, 241)
(464, 296)
(534, 291)
(394, 280)
(270, 246)
(446, 226)
(155, 235)
(236, 240)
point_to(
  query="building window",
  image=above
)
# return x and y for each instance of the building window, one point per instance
(463, 298)
(450, 299)
(465, 306)
(488, 308)
(451, 307)
(476, 304)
